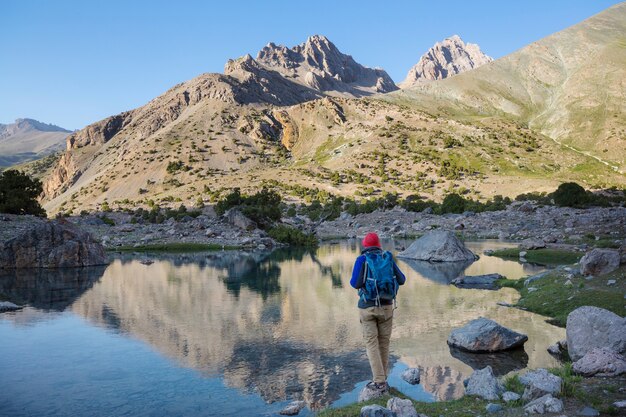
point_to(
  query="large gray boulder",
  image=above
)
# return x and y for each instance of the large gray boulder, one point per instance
(539, 383)
(438, 246)
(484, 384)
(600, 362)
(590, 327)
(484, 335)
(599, 262)
(238, 219)
(50, 244)
(402, 408)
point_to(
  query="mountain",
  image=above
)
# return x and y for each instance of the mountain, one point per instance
(569, 86)
(447, 58)
(28, 139)
(318, 64)
(260, 124)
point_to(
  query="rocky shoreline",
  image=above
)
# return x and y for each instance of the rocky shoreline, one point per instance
(549, 225)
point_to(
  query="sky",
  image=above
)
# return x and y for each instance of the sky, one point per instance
(72, 63)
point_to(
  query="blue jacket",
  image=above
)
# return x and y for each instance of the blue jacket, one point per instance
(358, 276)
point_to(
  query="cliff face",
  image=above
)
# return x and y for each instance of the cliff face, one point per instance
(447, 58)
(318, 64)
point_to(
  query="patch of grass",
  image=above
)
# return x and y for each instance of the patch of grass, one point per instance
(554, 299)
(518, 284)
(541, 256)
(512, 383)
(570, 380)
(174, 247)
(464, 407)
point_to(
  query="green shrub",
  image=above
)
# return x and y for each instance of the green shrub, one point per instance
(292, 236)
(19, 192)
(570, 194)
(453, 203)
(262, 207)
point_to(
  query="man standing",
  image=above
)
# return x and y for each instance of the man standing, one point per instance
(376, 276)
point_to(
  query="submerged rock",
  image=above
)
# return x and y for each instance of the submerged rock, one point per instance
(8, 306)
(481, 282)
(484, 384)
(411, 375)
(293, 408)
(599, 262)
(51, 244)
(438, 246)
(593, 327)
(484, 335)
(600, 362)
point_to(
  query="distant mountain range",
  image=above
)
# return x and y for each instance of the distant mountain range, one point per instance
(309, 119)
(29, 139)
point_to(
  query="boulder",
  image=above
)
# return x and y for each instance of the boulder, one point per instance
(540, 382)
(402, 408)
(593, 327)
(293, 408)
(509, 396)
(484, 384)
(600, 362)
(411, 375)
(367, 394)
(51, 244)
(376, 411)
(545, 404)
(599, 262)
(8, 306)
(481, 282)
(530, 244)
(438, 246)
(238, 219)
(484, 335)
(493, 408)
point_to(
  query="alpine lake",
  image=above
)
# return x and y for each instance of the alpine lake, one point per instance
(235, 333)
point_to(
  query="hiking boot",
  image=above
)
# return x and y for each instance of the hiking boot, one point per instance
(378, 386)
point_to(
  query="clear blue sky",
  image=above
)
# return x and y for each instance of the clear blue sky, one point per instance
(72, 63)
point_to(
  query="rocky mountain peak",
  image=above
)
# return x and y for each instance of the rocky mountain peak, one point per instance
(446, 58)
(319, 64)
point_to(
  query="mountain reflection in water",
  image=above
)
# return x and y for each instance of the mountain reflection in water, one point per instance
(285, 325)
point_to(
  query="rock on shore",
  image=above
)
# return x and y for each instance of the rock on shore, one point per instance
(37, 243)
(593, 327)
(599, 262)
(438, 246)
(484, 335)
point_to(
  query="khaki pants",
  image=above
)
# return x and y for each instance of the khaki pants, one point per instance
(376, 323)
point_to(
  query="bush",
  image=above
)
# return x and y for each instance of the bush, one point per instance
(453, 203)
(19, 192)
(292, 236)
(570, 194)
(262, 207)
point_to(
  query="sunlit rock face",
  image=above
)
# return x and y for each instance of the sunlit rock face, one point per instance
(286, 325)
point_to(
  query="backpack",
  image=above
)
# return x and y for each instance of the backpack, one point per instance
(380, 281)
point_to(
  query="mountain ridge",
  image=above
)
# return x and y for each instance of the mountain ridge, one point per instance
(29, 139)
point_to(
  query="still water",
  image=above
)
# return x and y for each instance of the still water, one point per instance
(235, 333)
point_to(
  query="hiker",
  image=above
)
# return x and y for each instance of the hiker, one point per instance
(376, 276)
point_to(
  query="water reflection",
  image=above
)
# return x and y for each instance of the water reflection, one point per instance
(285, 325)
(501, 362)
(48, 289)
(441, 272)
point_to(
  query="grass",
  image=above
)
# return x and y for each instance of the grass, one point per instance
(174, 247)
(463, 407)
(554, 299)
(541, 256)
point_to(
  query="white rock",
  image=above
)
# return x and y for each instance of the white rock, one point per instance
(484, 384)
(539, 383)
(402, 408)
(411, 375)
(593, 327)
(545, 404)
(510, 396)
(293, 408)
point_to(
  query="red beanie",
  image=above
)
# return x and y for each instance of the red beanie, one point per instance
(371, 239)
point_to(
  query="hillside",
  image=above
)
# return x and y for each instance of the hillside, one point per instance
(28, 139)
(255, 125)
(570, 86)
